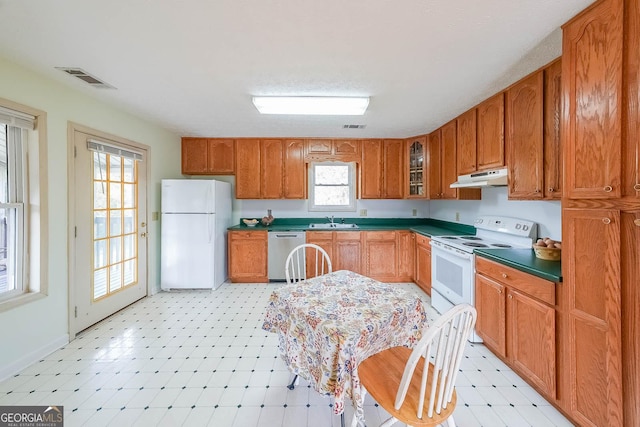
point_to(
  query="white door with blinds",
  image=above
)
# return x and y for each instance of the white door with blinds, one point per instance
(109, 236)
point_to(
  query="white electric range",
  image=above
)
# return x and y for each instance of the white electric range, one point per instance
(453, 259)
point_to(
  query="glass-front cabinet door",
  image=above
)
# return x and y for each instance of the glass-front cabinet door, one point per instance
(416, 167)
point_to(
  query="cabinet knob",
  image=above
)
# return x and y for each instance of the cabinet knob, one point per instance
(499, 291)
(608, 189)
(504, 275)
(537, 190)
(551, 190)
(606, 220)
(636, 187)
(637, 222)
(510, 296)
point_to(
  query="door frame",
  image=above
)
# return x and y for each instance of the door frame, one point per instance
(71, 215)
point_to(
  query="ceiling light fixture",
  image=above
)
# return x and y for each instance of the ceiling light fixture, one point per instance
(312, 105)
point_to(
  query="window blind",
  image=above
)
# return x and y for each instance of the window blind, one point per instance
(17, 119)
(105, 147)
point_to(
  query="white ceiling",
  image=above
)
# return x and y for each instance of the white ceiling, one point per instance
(193, 65)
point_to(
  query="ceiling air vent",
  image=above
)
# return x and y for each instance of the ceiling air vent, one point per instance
(353, 126)
(85, 77)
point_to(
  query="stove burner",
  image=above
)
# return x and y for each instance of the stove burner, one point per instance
(449, 237)
(501, 245)
(470, 238)
(475, 245)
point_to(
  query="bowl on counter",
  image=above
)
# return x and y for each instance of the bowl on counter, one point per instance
(549, 254)
(250, 222)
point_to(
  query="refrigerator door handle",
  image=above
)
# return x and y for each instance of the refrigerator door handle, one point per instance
(210, 199)
(210, 227)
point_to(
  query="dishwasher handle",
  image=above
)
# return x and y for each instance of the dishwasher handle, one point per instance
(286, 236)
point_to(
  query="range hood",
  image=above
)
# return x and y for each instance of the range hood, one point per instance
(493, 178)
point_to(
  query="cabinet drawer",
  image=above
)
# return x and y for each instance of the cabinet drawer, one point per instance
(422, 240)
(380, 235)
(536, 287)
(319, 235)
(248, 235)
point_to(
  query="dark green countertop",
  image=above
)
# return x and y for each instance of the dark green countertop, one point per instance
(427, 226)
(524, 260)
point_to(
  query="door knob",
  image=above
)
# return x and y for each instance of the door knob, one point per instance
(143, 234)
(608, 189)
(143, 224)
(606, 220)
(636, 187)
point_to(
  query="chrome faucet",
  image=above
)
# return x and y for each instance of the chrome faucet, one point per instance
(330, 219)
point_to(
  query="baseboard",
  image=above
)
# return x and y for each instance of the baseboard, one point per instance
(31, 358)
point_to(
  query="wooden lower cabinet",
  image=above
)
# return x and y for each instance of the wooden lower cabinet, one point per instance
(381, 255)
(422, 275)
(247, 256)
(517, 321)
(324, 239)
(406, 255)
(347, 247)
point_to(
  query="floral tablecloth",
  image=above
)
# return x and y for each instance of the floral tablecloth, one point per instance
(329, 324)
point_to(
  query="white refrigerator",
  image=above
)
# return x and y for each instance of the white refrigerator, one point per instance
(195, 217)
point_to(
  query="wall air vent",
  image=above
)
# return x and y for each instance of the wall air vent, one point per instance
(85, 77)
(353, 126)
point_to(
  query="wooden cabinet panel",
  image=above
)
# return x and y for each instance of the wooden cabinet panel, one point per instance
(552, 142)
(348, 251)
(381, 255)
(208, 156)
(194, 156)
(592, 93)
(448, 168)
(434, 156)
(490, 136)
(295, 172)
(524, 137)
(631, 102)
(423, 263)
(466, 142)
(593, 314)
(324, 239)
(248, 176)
(416, 168)
(371, 169)
(247, 252)
(272, 159)
(346, 148)
(393, 181)
(490, 304)
(319, 147)
(406, 255)
(532, 338)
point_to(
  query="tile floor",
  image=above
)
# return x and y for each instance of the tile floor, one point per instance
(200, 358)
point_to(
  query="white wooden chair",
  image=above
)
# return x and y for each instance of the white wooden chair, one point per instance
(397, 380)
(295, 265)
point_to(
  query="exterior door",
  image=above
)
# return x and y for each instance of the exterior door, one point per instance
(108, 229)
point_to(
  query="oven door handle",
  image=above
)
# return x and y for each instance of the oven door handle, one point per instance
(451, 250)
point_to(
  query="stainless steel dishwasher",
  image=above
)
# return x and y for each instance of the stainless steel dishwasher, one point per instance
(280, 244)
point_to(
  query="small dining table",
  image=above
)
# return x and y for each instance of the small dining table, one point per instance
(329, 324)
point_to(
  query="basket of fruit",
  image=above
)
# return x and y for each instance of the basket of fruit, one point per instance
(548, 249)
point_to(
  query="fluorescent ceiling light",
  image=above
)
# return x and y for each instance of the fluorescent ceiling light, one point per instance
(312, 105)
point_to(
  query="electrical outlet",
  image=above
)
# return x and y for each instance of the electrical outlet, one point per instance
(414, 212)
(458, 216)
(155, 216)
(363, 212)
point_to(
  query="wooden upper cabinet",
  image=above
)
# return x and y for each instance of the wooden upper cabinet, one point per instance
(592, 92)
(272, 170)
(448, 168)
(416, 167)
(552, 142)
(631, 106)
(490, 133)
(208, 156)
(371, 169)
(466, 142)
(524, 137)
(434, 150)
(248, 175)
(393, 181)
(295, 176)
(332, 149)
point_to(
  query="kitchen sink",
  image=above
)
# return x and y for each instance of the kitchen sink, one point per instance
(331, 225)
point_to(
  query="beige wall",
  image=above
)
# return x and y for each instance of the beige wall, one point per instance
(29, 331)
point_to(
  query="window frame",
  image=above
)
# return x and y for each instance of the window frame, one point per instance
(351, 207)
(34, 230)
